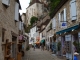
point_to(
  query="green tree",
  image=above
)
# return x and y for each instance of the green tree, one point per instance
(53, 4)
(27, 30)
(33, 20)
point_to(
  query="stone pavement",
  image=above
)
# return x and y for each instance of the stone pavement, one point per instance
(39, 55)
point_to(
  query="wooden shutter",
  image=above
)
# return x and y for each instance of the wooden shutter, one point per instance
(59, 19)
(65, 14)
(22, 25)
(6, 2)
(19, 25)
(16, 11)
(73, 10)
(54, 23)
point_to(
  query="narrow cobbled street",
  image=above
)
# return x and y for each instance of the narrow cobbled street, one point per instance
(40, 55)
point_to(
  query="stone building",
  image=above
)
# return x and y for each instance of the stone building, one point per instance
(65, 19)
(25, 35)
(66, 27)
(9, 28)
(45, 1)
(35, 9)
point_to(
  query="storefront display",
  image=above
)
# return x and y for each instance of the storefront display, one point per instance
(68, 43)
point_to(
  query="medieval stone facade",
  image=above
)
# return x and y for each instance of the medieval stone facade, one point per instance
(9, 26)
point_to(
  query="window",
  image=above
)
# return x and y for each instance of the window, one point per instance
(6, 2)
(62, 19)
(22, 26)
(16, 11)
(54, 23)
(32, 11)
(37, 14)
(59, 16)
(37, 5)
(63, 15)
(3, 34)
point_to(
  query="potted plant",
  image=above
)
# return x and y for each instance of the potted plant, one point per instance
(59, 47)
(77, 46)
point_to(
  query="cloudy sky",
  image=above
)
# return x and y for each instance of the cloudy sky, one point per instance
(24, 5)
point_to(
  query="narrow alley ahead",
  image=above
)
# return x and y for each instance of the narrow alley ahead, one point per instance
(39, 55)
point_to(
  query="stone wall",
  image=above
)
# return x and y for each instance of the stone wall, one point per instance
(8, 23)
(69, 23)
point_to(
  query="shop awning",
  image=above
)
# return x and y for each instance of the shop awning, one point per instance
(42, 41)
(37, 42)
(68, 29)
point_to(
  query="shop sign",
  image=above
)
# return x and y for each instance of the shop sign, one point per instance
(67, 37)
(63, 24)
(59, 38)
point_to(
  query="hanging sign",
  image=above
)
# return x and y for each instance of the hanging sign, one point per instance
(63, 24)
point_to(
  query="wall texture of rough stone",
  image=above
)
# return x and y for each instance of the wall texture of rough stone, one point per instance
(8, 23)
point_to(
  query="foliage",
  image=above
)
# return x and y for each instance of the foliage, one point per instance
(59, 46)
(27, 30)
(77, 46)
(52, 5)
(33, 20)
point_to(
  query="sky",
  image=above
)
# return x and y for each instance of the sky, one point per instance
(24, 5)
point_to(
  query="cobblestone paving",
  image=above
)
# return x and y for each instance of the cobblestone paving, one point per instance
(39, 55)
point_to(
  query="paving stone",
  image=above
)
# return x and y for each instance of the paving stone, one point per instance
(39, 55)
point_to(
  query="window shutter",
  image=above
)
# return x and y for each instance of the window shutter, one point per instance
(54, 23)
(65, 14)
(22, 25)
(73, 10)
(6, 2)
(16, 11)
(59, 19)
(19, 25)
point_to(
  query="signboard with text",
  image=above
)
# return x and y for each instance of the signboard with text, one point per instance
(63, 24)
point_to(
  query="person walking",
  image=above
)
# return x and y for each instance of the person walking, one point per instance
(48, 45)
(34, 46)
(42, 46)
(75, 56)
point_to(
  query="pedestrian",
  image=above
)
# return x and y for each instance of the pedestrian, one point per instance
(75, 56)
(42, 46)
(34, 46)
(48, 45)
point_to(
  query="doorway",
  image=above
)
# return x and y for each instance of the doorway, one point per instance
(14, 47)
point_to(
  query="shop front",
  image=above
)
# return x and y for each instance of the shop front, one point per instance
(38, 42)
(68, 39)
